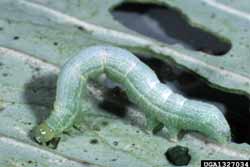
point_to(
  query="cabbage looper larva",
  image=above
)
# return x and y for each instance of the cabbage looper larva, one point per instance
(143, 88)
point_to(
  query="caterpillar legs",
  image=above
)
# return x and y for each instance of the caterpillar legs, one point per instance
(153, 125)
(172, 134)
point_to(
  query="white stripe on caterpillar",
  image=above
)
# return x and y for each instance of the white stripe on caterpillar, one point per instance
(165, 95)
(181, 102)
(152, 84)
(143, 87)
(134, 64)
(104, 59)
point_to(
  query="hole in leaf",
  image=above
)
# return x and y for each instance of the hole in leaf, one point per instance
(115, 102)
(115, 143)
(94, 141)
(170, 26)
(80, 28)
(5, 74)
(16, 37)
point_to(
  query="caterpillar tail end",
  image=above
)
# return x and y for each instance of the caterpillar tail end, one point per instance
(43, 133)
(223, 137)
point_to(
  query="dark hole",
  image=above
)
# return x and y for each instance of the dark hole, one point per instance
(170, 26)
(5, 74)
(16, 37)
(55, 43)
(113, 107)
(80, 28)
(93, 141)
(37, 69)
(1, 28)
(178, 155)
(191, 86)
(115, 143)
(163, 72)
(115, 102)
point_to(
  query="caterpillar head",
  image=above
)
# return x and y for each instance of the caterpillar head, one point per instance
(42, 133)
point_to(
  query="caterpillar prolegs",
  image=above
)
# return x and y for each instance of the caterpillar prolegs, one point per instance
(143, 88)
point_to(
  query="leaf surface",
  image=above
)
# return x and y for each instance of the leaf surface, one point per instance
(45, 33)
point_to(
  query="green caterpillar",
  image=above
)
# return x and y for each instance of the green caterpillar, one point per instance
(143, 88)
